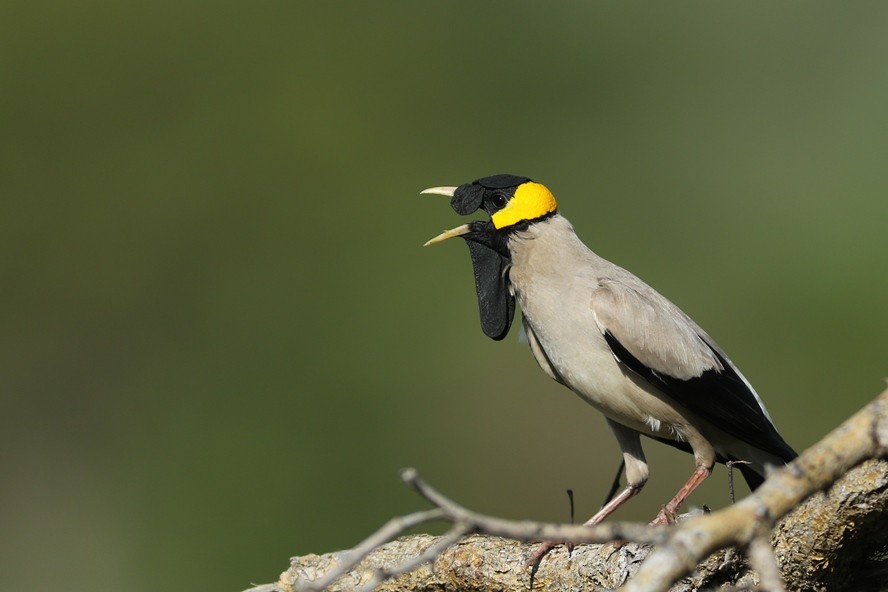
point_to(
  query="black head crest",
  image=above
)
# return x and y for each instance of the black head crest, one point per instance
(468, 197)
(503, 181)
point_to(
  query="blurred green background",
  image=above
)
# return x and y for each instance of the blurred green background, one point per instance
(221, 338)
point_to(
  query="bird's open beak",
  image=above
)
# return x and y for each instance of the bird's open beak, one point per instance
(447, 234)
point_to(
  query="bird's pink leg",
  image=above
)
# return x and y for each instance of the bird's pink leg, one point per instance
(668, 512)
(608, 509)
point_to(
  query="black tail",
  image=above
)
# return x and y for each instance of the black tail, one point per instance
(752, 478)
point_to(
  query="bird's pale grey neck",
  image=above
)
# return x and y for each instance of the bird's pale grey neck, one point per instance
(543, 244)
(553, 226)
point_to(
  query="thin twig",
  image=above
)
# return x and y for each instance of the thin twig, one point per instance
(391, 529)
(570, 501)
(730, 465)
(450, 538)
(528, 530)
(761, 558)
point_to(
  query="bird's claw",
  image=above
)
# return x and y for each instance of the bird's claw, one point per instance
(544, 548)
(664, 517)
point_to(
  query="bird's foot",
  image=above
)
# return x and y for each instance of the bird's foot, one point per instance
(617, 544)
(534, 561)
(664, 516)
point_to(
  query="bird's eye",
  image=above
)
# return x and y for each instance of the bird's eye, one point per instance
(499, 200)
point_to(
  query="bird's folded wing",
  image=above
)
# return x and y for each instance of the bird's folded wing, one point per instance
(654, 339)
(652, 329)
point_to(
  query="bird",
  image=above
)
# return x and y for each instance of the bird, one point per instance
(609, 337)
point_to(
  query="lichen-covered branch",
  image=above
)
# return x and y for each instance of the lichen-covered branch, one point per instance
(833, 541)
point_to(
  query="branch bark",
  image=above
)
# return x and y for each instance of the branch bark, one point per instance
(836, 540)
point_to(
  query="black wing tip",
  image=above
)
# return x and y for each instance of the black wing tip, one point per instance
(785, 452)
(752, 478)
(740, 413)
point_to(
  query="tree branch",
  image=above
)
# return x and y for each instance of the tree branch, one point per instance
(841, 528)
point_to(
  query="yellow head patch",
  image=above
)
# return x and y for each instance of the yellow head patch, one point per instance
(531, 200)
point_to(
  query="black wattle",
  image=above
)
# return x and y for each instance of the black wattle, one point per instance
(496, 304)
